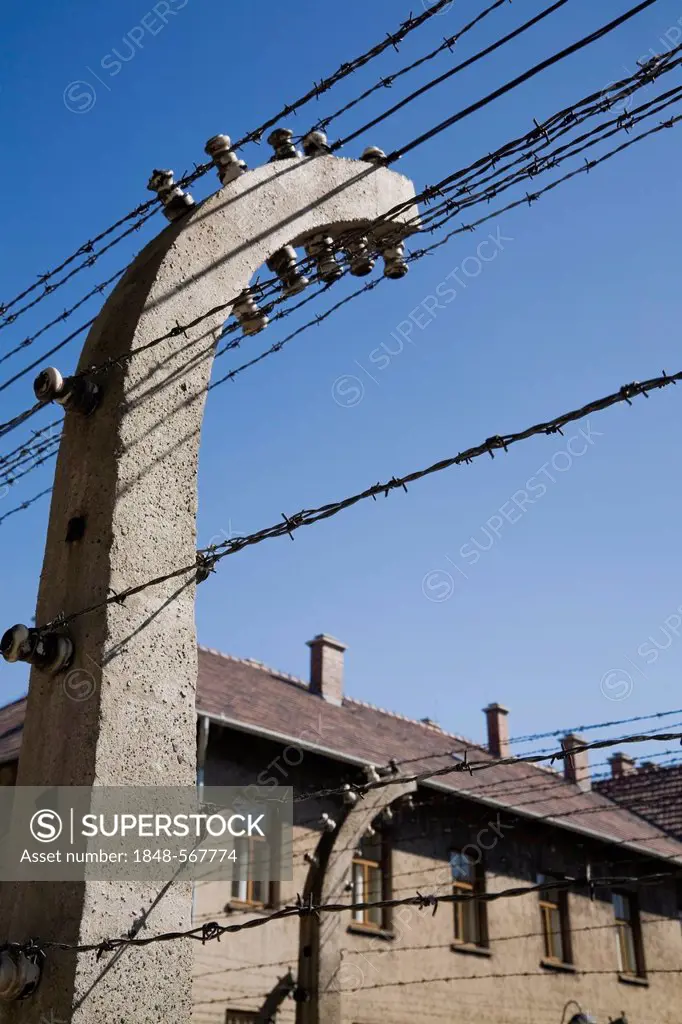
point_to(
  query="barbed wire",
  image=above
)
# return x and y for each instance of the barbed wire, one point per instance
(26, 445)
(423, 948)
(86, 249)
(552, 818)
(543, 65)
(529, 199)
(98, 289)
(212, 930)
(531, 737)
(469, 767)
(31, 458)
(433, 83)
(25, 504)
(208, 557)
(320, 318)
(388, 81)
(500, 975)
(48, 289)
(466, 198)
(351, 236)
(391, 40)
(20, 418)
(556, 126)
(643, 76)
(597, 135)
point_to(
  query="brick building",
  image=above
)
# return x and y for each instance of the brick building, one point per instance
(538, 958)
(652, 791)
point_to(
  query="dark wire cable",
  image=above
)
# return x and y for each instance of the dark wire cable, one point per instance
(25, 504)
(26, 445)
(531, 737)
(387, 81)
(347, 68)
(568, 51)
(208, 557)
(181, 329)
(453, 71)
(558, 124)
(304, 908)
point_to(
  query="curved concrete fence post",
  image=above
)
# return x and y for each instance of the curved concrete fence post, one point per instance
(128, 472)
(320, 944)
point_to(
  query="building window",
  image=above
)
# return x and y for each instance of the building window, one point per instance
(372, 882)
(468, 879)
(239, 1016)
(628, 935)
(253, 887)
(554, 918)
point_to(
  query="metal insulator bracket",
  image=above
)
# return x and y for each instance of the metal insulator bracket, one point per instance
(228, 164)
(77, 394)
(281, 140)
(176, 203)
(20, 972)
(49, 650)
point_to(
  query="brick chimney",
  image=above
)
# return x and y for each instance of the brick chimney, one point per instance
(498, 730)
(621, 765)
(577, 766)
(326, 667)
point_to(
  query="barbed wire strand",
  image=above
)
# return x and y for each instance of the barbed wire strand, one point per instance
(625, 87)
(498, 762)
(209, 556)
(387, 81)
(451, 752)
(531, 737)
(382, 947)
(21, 418)
(25, 504)
(212, 930)
(25, 445)
(33, 460)
(392, 40)
(433, 83)
(526, 76)
(410, 145)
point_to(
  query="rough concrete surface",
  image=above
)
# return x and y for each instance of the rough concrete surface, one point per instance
(131, 470)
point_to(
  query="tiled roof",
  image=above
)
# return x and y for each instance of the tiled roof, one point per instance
(653, 792)
(247, 695)
(11, 725)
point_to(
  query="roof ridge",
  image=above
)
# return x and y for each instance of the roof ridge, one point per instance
(253, 663)
(413, 721)
(11, 703)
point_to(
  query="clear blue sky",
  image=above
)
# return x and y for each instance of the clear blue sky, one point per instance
(584, 297)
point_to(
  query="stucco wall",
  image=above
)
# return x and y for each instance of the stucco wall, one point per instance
(229, 973)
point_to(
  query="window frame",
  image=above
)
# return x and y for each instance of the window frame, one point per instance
(475, 883)
(271, 888)
(632, 926)
(560, 907)
(233, 1016)
(384, 867)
